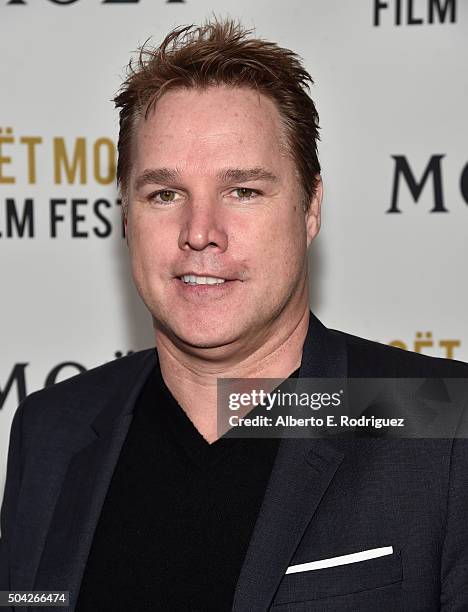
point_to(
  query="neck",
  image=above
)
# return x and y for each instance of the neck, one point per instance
(192, 379)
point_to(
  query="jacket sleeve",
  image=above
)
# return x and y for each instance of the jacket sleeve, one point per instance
(10, 496)
(454, 567)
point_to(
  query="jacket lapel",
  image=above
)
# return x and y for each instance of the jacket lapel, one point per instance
(302, 472)
(85, 487)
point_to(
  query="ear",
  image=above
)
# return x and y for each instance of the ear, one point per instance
(312, 215)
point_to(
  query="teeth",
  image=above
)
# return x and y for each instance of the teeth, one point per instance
(202, 280)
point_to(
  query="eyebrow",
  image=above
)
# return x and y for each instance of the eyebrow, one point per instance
(167, 176)
(155, 175)
(246, 174)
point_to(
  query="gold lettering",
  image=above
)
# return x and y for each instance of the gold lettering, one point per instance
(109, 176)
(4, 159)
(61, 160)
(398, 344)
(449, 346)
(31, 142)
(420, 343)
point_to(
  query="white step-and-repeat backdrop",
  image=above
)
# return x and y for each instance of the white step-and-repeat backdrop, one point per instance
(392, 93)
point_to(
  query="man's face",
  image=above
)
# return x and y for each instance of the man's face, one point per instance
(212, 193)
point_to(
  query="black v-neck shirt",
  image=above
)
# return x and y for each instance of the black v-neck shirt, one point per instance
(178, 516)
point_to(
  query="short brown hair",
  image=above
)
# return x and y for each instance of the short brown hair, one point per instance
(222, 52)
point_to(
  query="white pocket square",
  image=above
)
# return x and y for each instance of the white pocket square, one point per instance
(364, 555)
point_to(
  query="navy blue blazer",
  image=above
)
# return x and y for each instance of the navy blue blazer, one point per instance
(325, 498)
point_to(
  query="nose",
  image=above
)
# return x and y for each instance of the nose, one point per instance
(201, 227)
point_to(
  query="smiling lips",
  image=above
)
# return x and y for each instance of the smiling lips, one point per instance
(192, 279)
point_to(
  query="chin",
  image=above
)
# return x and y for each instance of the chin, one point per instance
(199, 336)
(205, 341)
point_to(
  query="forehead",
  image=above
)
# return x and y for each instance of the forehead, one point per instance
(206, 128)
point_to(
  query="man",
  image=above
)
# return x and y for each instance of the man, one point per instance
(118, 488)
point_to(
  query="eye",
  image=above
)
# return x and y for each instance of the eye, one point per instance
(244, 193)
(165, 196)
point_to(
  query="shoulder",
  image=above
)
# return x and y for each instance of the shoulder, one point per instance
(106, 375)
(368, 358)
(84, 394)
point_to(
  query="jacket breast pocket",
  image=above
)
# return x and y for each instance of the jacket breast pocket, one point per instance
(340, 580)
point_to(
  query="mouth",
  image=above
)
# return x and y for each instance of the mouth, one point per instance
(194, 279)
(205, 285)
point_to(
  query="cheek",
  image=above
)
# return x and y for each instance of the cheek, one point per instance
(149, 245)
(279, 243)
